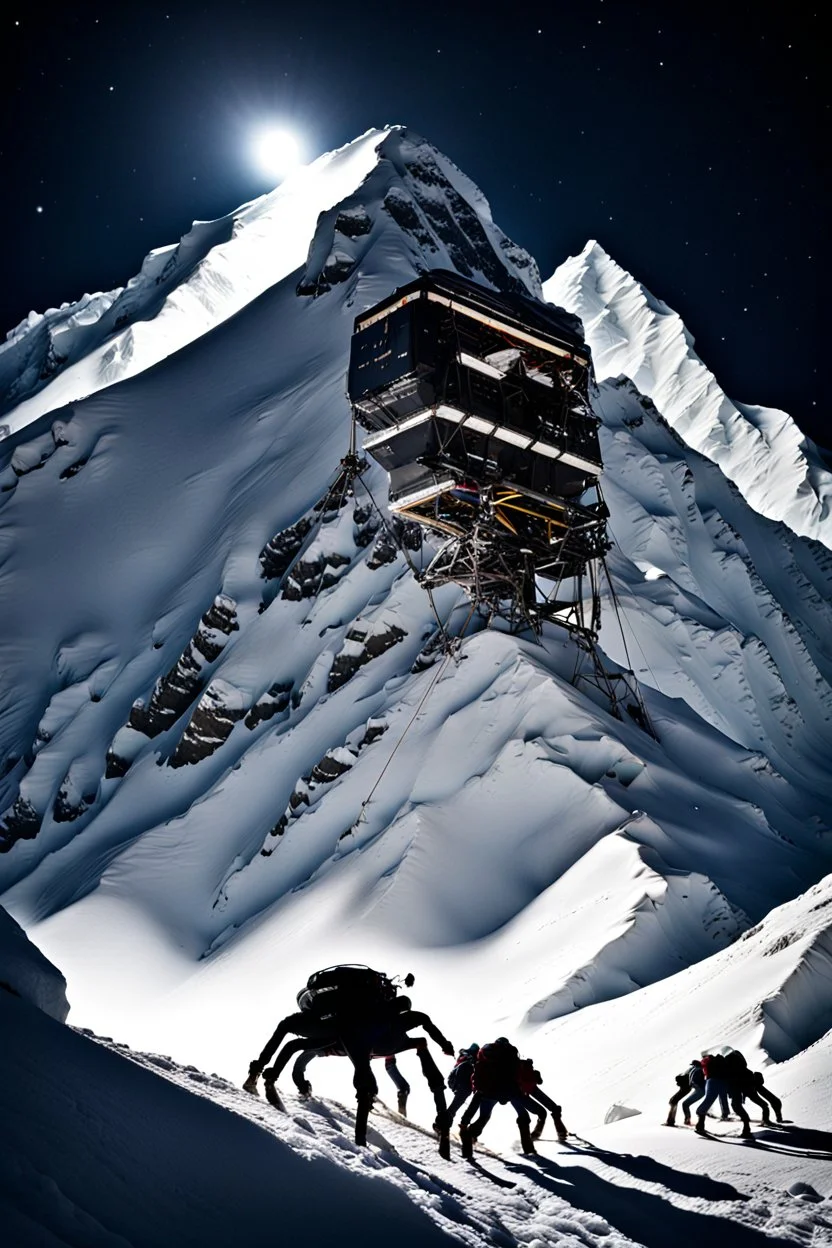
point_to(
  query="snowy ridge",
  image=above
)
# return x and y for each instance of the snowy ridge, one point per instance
(725, 609)
(183, 291)
(180, 293)
(665, 909)
(635, 335)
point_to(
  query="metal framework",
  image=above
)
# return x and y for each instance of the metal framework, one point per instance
(476, 404)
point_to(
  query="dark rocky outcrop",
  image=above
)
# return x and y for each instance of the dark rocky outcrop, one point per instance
(373, 729)
(353, 222)
(366, 524)
(20, 823)
(336, 268)
(310, 576)
(53, 362)
(115, 766)
(278, 553)
(363, 643)
(407, 217)
(68, 806)
(395, 534)
(220, 708)
(275, 700)
(176, 690)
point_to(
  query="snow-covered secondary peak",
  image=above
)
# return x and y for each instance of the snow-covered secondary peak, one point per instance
(635, 335)
(320, 214)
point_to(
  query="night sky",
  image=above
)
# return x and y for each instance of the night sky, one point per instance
(689, 139)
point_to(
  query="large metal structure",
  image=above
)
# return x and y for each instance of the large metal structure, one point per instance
(476, 404)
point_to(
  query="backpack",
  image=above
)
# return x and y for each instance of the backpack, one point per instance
(736, 1067)
(683, 1082)
(716, 1067)
(347, 992)
(459, 1080)
(527, 1077)
(495, 1071)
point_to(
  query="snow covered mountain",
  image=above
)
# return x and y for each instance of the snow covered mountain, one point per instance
(207, 788)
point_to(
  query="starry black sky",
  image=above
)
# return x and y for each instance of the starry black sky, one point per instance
(689, 139)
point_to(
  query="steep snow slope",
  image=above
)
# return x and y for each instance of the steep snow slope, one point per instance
(99, 1152)
(26, 973)
(769, 994)
(209, 678)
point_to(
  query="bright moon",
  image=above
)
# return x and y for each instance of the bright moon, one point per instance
(276, 152)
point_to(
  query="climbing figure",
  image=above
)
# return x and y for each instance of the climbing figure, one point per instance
(768, 1095)
(356, 1010)
(721, 1080)
(529, 1081)
(459, 1081)
(685, 1086)
(495, 1081)
(743, 1083)
(402, 1086)
(691, 1086)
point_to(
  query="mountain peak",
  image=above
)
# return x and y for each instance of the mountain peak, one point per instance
(431, 215)
(633, 334)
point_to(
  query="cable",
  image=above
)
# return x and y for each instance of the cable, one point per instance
(620, 625)
(637, 690)
(411, 721)
(437, 676)
(403, 549)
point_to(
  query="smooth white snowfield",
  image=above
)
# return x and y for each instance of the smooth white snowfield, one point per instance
(206, 679)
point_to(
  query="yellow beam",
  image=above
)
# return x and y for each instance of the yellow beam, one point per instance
(504, 521)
